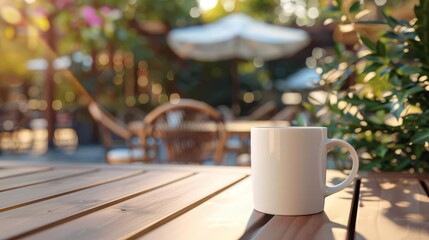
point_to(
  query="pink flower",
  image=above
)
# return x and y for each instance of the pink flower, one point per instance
(105, 10)
(91, 16)
(39, 11)
(111, 13)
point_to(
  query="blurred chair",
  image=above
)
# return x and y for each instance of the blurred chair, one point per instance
(126, 149)
(131, 114)
(226, 112)
(190, 131)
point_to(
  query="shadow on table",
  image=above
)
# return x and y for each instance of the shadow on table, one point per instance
(264, 226)
(397, 207)
(256, 221)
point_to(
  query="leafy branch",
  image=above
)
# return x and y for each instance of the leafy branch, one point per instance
(382, 90)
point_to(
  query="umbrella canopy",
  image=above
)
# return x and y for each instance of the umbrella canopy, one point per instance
(236, 36)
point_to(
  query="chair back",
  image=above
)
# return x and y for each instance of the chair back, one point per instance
(190, 130)
(109, 126)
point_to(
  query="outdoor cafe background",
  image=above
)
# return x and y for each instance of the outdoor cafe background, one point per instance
(117, 50)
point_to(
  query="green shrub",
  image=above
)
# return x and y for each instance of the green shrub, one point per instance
(380, 92)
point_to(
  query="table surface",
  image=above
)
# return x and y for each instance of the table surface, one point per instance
(70, 201)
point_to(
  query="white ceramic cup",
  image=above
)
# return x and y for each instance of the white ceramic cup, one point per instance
(289, 169)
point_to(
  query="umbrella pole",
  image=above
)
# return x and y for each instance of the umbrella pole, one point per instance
(235, 87)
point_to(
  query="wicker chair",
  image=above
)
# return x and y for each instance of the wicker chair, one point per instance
(127, 149)
(190, 131)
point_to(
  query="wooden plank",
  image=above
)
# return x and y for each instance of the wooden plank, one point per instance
(214, 219)
(17, 171)
(330, 224)
(53, 211)
(26, 195)
(41, 177)
(392, 209)
(139, 166)
(147, 211)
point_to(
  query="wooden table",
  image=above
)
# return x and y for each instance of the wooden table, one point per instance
(71, 201)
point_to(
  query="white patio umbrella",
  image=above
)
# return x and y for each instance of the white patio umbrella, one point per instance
(236, 36)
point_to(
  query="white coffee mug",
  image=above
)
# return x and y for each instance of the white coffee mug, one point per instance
(289, 169)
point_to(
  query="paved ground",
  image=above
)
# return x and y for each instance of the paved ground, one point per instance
(83, 153)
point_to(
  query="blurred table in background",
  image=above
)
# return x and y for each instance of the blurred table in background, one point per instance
(238, 133)
(239, 127)
(242, 127)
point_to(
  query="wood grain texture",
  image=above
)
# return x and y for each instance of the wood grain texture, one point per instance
(213, 219)
(139, 166)
(40, 177)
(17, 171)
(28, 218)
(330, 224)
(30, 194)
(392, 209)
(142, 213)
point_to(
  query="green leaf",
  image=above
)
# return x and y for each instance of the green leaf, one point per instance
(418, 150)
(396, 108)
(391, 35)
(396, 53)
(355, 7)
(370, 166)
(375, 119)
(420, 137)
(407, 70)
(374, 58)
(403, 95)
(381, 48)
(394, 80)
(381, 150)
(403, 23)
(390, 21)
(402, 164)
(410, 35)
(339, 49)
(299, 120)
(384, 71)
(368, 43)
(372, 67)
(352, 118)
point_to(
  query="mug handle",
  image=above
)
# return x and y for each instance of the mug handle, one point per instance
(330, 144)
